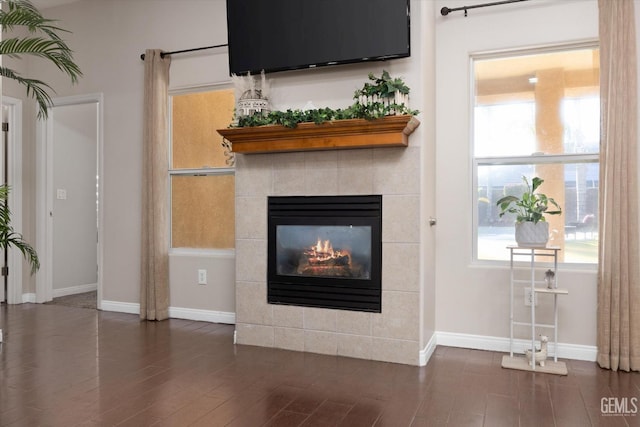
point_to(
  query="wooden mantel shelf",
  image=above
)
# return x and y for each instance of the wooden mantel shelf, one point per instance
(390, 131)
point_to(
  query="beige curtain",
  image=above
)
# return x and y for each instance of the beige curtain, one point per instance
(618, 274)
(154, 283)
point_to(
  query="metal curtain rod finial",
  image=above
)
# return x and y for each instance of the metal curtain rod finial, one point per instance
(447, 10)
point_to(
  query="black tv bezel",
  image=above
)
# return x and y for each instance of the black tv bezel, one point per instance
(325, 64)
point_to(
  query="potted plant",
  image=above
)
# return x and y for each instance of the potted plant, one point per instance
(530, 209)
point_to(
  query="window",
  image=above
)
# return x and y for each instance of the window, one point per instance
(202, 181)
(538, 114)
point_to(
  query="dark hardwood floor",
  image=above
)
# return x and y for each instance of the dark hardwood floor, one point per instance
(64, 366)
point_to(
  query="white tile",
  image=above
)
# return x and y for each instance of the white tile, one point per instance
(319, 319)
(396, 171)
(251, 217)
(399, 318)
(253, 175)
(288, 316)
(353, 322)
(254, 335)
(251, 260)
(251, 304)
(320, 342)
(401, 219)
(400, 267)
(289, 339)
(395, 351)
(354, 346)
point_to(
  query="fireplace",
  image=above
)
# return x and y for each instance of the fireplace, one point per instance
(325, 251)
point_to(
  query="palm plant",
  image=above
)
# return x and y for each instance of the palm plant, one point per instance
(43, 41)
(9, 237)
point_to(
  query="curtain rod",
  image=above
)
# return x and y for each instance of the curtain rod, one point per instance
(163, 54)
(445, 10)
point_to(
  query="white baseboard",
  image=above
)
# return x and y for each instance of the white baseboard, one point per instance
(28, 298)
(174, 312)
(120, 307)
(479, 342)
(72, 290)
(202, 315)
(427, 351)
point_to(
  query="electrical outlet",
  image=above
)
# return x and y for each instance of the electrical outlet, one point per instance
(202, 277)
(530, 297)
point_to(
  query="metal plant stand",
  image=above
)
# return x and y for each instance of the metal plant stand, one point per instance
(536, 256)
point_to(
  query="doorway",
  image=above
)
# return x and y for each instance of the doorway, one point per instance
(69, 199)
(10, 173)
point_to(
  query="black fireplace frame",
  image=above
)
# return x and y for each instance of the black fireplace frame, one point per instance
(325, 292)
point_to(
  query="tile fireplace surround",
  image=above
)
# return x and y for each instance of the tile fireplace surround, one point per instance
(394, 173)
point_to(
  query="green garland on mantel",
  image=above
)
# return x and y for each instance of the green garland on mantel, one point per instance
(382, 89)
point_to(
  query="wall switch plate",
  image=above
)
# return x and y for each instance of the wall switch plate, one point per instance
(61, 194)
(530, 297)
(202, 277)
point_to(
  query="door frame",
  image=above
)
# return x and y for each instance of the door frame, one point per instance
(14, 164)
(45, 194)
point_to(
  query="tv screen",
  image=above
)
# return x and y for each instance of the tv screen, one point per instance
(277, 35)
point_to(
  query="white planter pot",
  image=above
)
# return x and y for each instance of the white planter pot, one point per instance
(530, 234)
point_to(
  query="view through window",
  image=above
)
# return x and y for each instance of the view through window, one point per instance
(538, 114)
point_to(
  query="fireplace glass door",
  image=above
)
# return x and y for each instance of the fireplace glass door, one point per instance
(325, 251)
(330, 251)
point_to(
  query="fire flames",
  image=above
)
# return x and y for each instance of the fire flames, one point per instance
(323, 252)
(322, 259)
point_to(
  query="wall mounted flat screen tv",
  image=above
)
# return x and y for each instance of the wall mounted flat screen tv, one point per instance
(277, 35)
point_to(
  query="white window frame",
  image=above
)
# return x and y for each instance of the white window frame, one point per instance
(208, 171)
(533, 159)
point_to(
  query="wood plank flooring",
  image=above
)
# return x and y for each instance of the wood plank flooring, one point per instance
(64, 366)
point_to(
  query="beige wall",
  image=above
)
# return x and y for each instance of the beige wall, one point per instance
(108, 38)
(473, 298)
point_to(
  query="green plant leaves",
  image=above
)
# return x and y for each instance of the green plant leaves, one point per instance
(530, 206)
(9, 237)
(384, 87)
(45, 42)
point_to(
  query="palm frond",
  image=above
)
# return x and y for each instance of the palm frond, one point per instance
(44, 48)
(32, 46)
(9, 237)
(16, 240)
(35, 88)
(45, 43)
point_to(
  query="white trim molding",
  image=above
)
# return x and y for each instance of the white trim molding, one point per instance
(14, 166)
(427, 351)
(480, 342)
(202, 315)
(120, 307)
(72, 290)
(175, 312)
(29, 298)
(44, 194)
